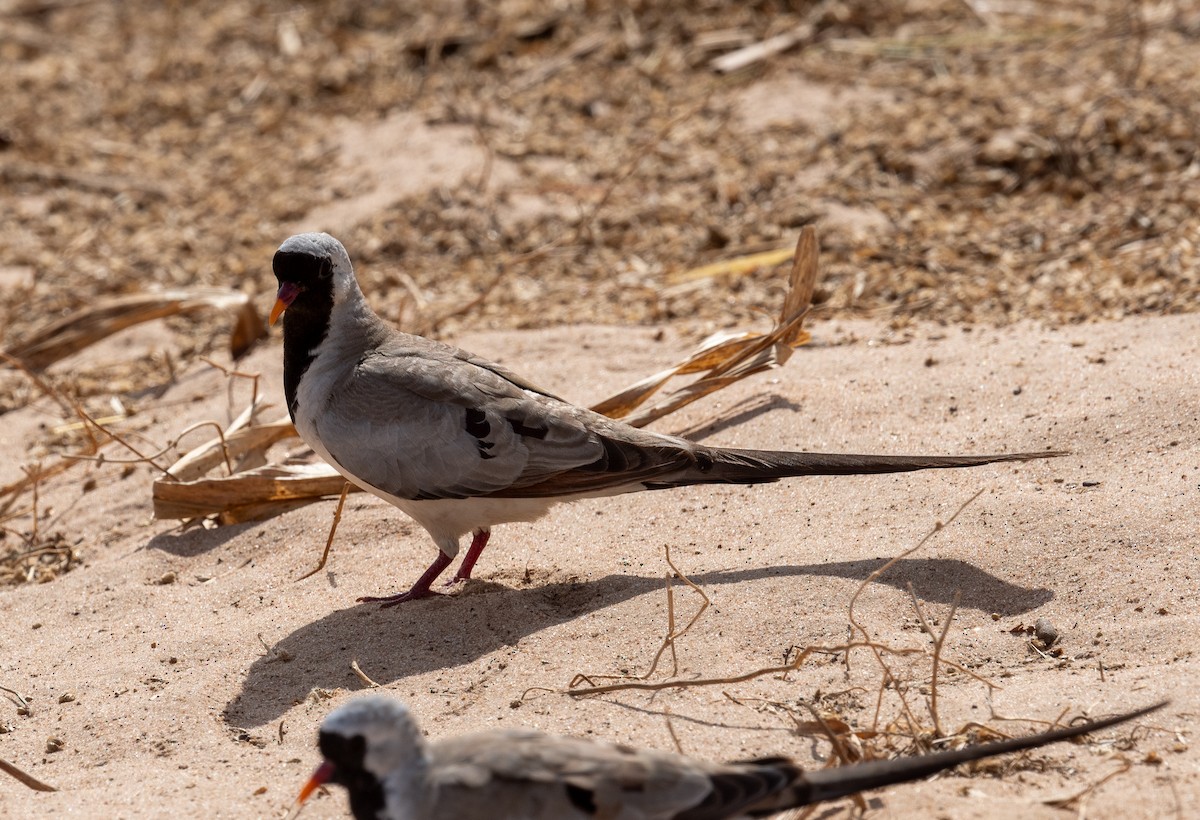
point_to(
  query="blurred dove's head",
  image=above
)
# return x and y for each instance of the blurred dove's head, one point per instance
(373, 747)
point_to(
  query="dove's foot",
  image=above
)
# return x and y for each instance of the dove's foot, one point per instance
(421, 589)
(387, 601)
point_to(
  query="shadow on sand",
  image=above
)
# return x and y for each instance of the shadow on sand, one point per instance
(442, 633)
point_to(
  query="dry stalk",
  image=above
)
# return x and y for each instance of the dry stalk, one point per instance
(727, 358)
(671, 731)
(889, 677)
(84, 328)
(693, 683)
(231, 374)
(141, 457)
(337, 517)
(362, 676)
(15, 696)
(28, 779)
(1079, 797)
(34, 476)
(41, 384)
(671, 636)
(938, 642)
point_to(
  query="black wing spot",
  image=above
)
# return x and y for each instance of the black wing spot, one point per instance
(478, 428)
(531, 432)
(704, 461)
(477, 423)
(581, 798)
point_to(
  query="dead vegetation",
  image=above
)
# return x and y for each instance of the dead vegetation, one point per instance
(905, 718)
(1014, 160)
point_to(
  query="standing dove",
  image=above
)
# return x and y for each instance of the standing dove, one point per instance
(461, 444)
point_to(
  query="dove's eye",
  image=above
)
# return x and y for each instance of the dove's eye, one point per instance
(325, 270)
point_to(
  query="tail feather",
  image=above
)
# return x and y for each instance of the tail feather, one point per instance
(841, 781)
(731, 466)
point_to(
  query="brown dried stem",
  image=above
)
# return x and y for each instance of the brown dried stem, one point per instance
(28, 779)
(337, 517)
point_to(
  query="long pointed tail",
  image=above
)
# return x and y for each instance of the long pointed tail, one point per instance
(830, 784)
(716, 465)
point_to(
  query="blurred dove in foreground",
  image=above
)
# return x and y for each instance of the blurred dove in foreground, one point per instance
(461, 444)
(373, 747)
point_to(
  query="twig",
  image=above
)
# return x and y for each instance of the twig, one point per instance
(281, 655)
(1066, 802)
(757, 52)
(672, 635)
(28, 779)
(41, 383)
(890, 677)
(141, 458)
(645, 686)
(937, 650)
(34, 476)
(337, 517)
(362, 676)
(231, 373)
(671, 731)
(15, 694)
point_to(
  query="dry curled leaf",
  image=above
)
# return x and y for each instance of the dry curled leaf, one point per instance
(85, 327)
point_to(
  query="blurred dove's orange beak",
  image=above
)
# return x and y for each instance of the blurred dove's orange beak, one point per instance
(320, 777)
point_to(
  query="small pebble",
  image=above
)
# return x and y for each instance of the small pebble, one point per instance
(1045, 632)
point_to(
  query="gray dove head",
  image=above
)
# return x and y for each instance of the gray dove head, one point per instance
(314, 274)
(373, 747)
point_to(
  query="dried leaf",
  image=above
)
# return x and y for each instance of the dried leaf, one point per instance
(273, 483)
(86, 327)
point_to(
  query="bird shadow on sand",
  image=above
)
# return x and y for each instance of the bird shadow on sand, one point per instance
(423, 636)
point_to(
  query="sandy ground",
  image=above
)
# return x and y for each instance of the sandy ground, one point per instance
(963, 162)
(201, 697)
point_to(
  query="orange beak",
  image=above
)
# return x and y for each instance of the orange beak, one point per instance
(320, 777)
(287, 294)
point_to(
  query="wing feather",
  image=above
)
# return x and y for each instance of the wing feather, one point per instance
(420, 420)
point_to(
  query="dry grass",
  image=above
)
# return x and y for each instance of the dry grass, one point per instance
(1027, 161)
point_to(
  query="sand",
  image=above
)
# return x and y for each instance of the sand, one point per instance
(199, 670)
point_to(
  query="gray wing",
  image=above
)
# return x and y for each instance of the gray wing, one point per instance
(520, 773)
(420, 420)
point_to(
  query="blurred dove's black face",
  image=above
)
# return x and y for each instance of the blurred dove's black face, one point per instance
(347, 755)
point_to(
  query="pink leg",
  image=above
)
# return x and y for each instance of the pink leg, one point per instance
(473, 552)
(420, 589)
